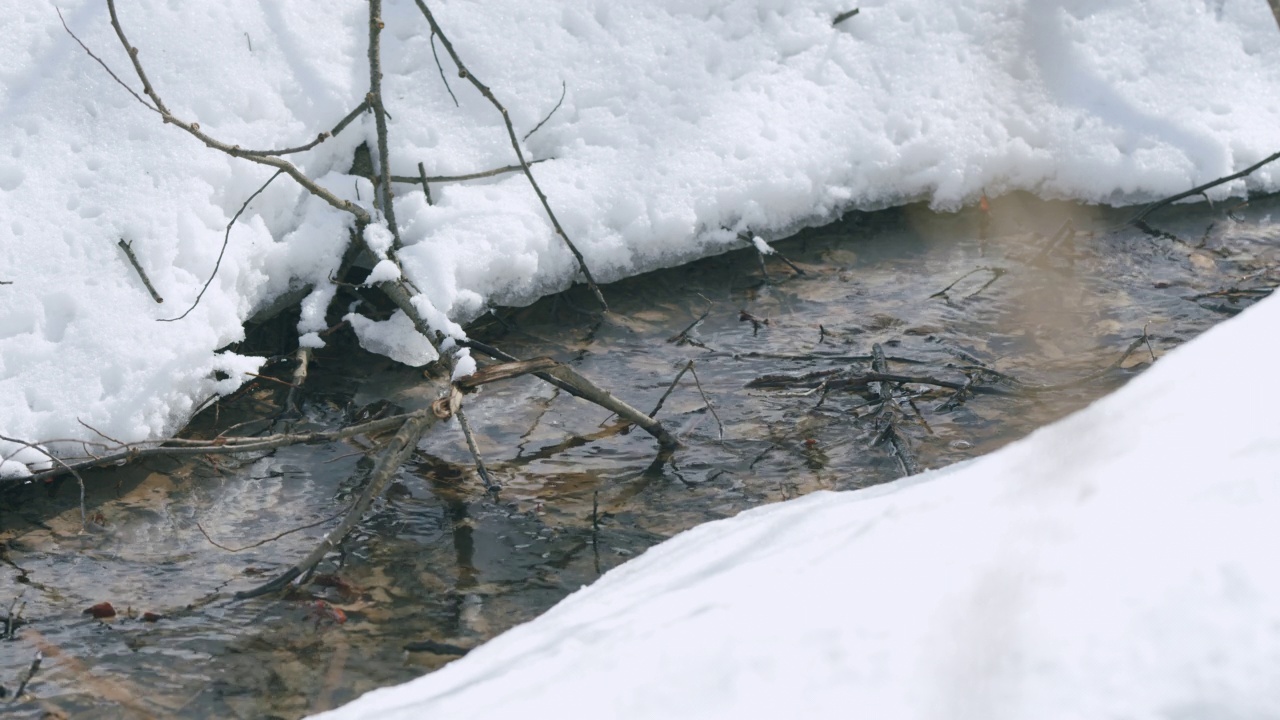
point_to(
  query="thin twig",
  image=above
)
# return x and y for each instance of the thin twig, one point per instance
(273, 538)
(1199, 189)
(226, 238)
(439, 67)
(122, 83)
(31, 673)
(193, 129)
(535, 129)
(515, 144)
(697, 382)
(223, 446)
(84, 517)
(342, 125)
(489, 483)
(670, 388)
(133, 260)
(416, 180)
(380, 117)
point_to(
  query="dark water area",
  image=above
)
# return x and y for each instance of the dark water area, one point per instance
(1003, 298)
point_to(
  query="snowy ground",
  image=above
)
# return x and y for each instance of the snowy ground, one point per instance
(683, 122)
(1117, 564)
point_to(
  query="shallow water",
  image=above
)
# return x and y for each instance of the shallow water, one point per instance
(439, 560)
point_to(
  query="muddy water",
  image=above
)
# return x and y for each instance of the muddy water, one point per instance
(439, 561)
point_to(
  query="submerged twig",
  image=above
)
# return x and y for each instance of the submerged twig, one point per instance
(489, 483)
(398, 450)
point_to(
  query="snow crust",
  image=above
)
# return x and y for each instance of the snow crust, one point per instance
(683, 124)
(1117, 564)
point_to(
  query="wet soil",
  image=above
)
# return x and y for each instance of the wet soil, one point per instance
(1001, 299)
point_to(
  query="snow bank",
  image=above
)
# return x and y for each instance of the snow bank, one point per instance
(1118, 564)
(683, 122)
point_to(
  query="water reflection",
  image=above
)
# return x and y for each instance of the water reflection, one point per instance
(441, 566)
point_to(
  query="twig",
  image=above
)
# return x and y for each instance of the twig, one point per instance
(426, 187)
(122, 83)
(193, 128)
(412, 180)
(697, 382)
(670, 388)
(398, 450)
(565, 378)
(133, 260)
(223, 446)
(489, 483)
(84, 517)
(844, 16)
(273, 538)
(901, 447)
(1199, 189)
(342, 125)
(226, 238)
(535, 129)
(515, 144)
(31, 673)
(439, 67)
(380, 117)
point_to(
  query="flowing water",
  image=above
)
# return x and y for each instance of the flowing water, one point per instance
(440, 565)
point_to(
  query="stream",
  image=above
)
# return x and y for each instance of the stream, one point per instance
(1006, 299)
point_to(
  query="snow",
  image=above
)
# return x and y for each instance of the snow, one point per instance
(1112, 565)
(1117, 564)
(683, 124)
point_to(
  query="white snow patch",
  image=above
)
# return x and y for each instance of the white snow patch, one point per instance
(762, 247)
(394, 337)
(384, 271)
(463, 364)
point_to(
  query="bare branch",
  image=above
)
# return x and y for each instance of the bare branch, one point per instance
(563, 89)
(226, 238)
(515, 144)
(374, 100)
